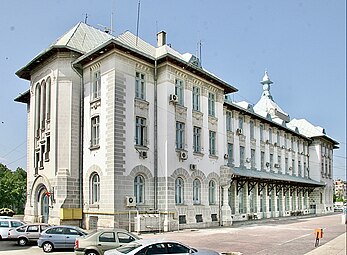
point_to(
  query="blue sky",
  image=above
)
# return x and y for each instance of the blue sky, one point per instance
(302, 44)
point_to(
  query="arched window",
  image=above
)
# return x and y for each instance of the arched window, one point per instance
(196, 191)
(179, 190)
(48, 99)
(139, 189)
(37, 109)
(212, 192)
(95, 188)
(43, 104)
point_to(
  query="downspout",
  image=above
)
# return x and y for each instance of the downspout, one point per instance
(80, 170)
(155, 137)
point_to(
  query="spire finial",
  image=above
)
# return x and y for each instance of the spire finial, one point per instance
(266, 82)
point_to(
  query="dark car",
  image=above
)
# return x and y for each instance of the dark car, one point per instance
(59, 237)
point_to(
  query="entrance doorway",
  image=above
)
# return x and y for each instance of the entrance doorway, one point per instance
(45, 208)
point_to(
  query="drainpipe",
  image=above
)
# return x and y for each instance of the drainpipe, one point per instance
(155, 137)
(80, 170)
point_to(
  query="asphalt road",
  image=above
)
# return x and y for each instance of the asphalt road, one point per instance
(272, 236)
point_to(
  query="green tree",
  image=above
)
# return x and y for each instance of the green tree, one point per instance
(12, 189)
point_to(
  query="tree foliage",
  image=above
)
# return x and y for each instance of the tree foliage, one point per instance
(12, 188)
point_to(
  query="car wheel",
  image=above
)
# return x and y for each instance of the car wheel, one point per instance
(22, 241)
(92, 253)
(47, 247)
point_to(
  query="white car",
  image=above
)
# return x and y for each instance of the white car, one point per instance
(155, 246)
(7, 223)
(27, 233)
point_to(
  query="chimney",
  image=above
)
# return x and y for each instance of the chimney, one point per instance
(161, 38)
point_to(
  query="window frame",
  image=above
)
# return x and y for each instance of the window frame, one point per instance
(139, 189)
(95, 131)
(179, 91)
(95, 89)
(179, 191)
(94, 188)
(212, 192)
(196, 98)
(180, 135)
(212, 142)
(140, 85)
(140, 131)
(211, 104)
(196, 191)
(196, 139)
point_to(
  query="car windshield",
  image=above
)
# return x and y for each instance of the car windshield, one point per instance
(128, 248)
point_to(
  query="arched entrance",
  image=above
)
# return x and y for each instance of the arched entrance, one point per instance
(44, 207)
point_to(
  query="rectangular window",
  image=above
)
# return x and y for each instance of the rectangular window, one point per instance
(271, 161)
(140, 86)
(196, 98)
(299, 168)
(96, 85)
(179, 91)
(197, 139)
(211, 104)
(48, 148)
(278, 139)
(95, 131)
(229, 121)
(293, 166)
(252, 158)
(230, 154)
(141, 132)
(242, 156)
(212, 141)
(262, 160)
(251, 129)
(286, 164)
(270, 135)
(285, 141)
(180, 135)
(261, 129)
(42, 159)
(279, 161)
(37, 161)
(241, 122)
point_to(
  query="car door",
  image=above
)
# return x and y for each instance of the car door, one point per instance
(107, 240)
(33, 232)
(55, 236)
(70, 236)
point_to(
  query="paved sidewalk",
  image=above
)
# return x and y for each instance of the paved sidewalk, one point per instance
(336, 246)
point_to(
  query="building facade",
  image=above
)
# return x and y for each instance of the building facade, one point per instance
(122, 133)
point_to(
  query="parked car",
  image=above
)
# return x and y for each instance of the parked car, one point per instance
(7, 223)
(97, 242)
(151, 246)
(59, 237)
(27, 233)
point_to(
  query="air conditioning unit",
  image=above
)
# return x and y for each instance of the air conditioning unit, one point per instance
(193, 167)
(130, 201)
(239, 131)
(248, 160)
(277, 165)
(183, 155)
(173, 98)
(267, 164)
(143, 154)
(226, 156)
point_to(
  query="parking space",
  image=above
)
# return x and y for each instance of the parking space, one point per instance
(292, 236)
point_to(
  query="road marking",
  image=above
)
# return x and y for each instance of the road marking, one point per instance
(294, 239)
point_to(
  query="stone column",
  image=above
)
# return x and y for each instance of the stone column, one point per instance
(226, 210)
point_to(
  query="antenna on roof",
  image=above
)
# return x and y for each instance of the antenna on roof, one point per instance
(200, 47)
(138, 22)
(86, 18)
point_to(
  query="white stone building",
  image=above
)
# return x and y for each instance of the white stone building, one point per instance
(122, 133)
